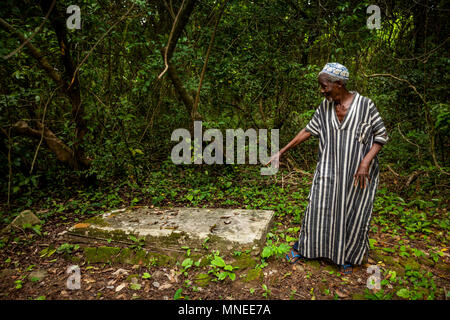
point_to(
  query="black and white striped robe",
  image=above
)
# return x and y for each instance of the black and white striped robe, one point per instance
(336, 221)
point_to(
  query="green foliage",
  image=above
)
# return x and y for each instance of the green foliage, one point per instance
(272, 249)
(178, 294)
(67, 248)
(138, 243)
(276, 249)
(266, 292)
(36, 228)
(221, 269)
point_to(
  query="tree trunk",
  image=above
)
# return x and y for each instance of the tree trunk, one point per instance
(58, 22)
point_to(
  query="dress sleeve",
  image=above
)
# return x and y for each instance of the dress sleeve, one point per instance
(314, 125)
(378, 128)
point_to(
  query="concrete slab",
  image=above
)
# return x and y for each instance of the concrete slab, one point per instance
(169, 228)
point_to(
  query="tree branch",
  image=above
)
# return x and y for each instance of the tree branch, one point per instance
(35, 53)
(197, 97)
(9, 55)
(62, 151)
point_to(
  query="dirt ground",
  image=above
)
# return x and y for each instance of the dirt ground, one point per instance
(279, 279)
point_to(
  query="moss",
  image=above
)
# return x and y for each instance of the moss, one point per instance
(202, 279)
(313, 263)
(73, 258)
(204, 260)
(161, 259)
(331, 268)
(244, 261)
(399, 269)
(90, 254)
(126, 256)
(388, 260)
(98, 221)
(358, 296)
(427, 261)
(102, 234)
(140, 257)
(381, 257)
(107, 254)
(101, 254)
(413, 264)
(253, 275)
(131, 276)
(378, 255)
(443, 266)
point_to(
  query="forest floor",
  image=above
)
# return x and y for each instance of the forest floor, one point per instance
(408, 240)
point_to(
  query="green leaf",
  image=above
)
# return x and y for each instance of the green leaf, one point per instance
(267, 252)
(403, 293)
(177, 294)
(283, 248)
(219, 262)
(372, 243)
(222, 275)
(187, 263)
(232, 275)
(228, 267)
(135, 286)
(146, 275)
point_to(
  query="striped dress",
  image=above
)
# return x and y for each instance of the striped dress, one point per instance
(336, 221)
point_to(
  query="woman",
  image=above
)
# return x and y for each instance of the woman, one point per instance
(351, 133)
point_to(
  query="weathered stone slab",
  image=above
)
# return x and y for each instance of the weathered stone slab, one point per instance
(24, 218)
(168, 228)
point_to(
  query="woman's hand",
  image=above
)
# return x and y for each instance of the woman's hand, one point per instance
(361, 175)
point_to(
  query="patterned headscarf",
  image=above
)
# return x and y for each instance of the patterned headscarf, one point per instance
(336, 69)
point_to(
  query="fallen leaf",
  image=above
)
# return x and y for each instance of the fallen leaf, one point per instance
(173, 276)
(165, 286)
(135, 286)
(120, 272)
(111, 282)
(120, 287)
(81, 225)
(340, 294)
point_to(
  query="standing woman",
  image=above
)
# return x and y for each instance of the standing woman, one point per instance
(351, 133)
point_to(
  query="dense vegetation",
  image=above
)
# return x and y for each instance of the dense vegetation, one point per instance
(86, 115)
